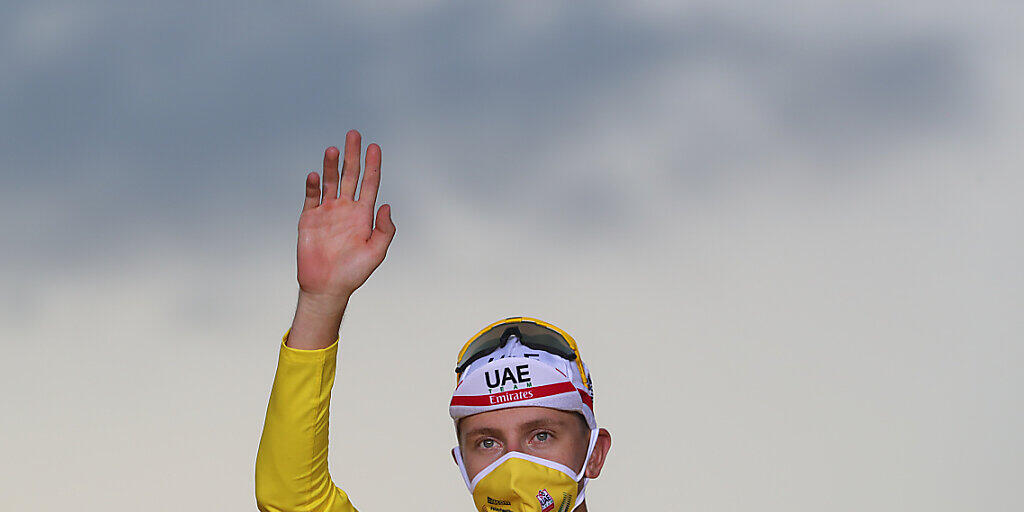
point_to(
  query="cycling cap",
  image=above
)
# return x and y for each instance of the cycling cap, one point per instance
(515, 375)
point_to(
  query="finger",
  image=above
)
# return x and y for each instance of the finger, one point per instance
(330, 174)
(312, 191)
(384, 231)
(350, 169)
(371, 177)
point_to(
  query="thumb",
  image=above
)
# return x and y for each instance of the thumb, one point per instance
(383, 231)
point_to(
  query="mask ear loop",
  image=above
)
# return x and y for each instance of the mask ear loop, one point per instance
(462, 467)
(583, 471)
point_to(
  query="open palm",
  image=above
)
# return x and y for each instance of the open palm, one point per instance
(340, 242)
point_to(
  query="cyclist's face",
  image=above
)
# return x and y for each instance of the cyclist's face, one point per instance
(551, 434)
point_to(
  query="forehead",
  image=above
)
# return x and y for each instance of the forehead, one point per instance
(517, 418)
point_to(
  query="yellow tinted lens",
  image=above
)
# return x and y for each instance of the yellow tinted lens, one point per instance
(539, 337)
(483, 344)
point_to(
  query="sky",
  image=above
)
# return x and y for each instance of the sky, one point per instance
(786, 236)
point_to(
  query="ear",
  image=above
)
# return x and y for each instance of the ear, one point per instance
(456, 461)
(597, 458)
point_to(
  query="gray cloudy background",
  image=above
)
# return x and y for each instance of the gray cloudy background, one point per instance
(788, 239)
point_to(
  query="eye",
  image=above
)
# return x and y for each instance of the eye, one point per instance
(542, 436)
(487, 443)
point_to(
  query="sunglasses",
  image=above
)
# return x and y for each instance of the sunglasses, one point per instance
(530, 332)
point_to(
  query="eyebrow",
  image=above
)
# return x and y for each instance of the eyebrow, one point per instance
(542, 422)
(482, 431)
(529, 425)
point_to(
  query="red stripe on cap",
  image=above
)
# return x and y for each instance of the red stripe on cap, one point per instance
(586, 399)
(515, 395)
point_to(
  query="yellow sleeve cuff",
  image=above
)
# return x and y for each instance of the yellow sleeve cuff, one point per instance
(298, 351)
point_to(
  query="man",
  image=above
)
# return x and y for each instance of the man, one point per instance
(523, 404)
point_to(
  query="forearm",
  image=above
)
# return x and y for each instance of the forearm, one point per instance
(317, 320)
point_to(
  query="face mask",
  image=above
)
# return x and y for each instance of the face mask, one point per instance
(518, 482)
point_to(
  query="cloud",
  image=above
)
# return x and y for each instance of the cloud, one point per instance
(165, 110)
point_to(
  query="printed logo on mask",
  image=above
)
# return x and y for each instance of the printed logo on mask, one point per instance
(547, 503)
(564, 507)
(496, 505)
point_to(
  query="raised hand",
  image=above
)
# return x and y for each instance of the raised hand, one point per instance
(340, 242)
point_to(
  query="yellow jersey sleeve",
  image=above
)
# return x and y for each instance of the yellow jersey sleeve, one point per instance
(291, 465)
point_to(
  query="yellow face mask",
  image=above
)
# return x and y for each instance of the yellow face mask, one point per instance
(518, 482)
